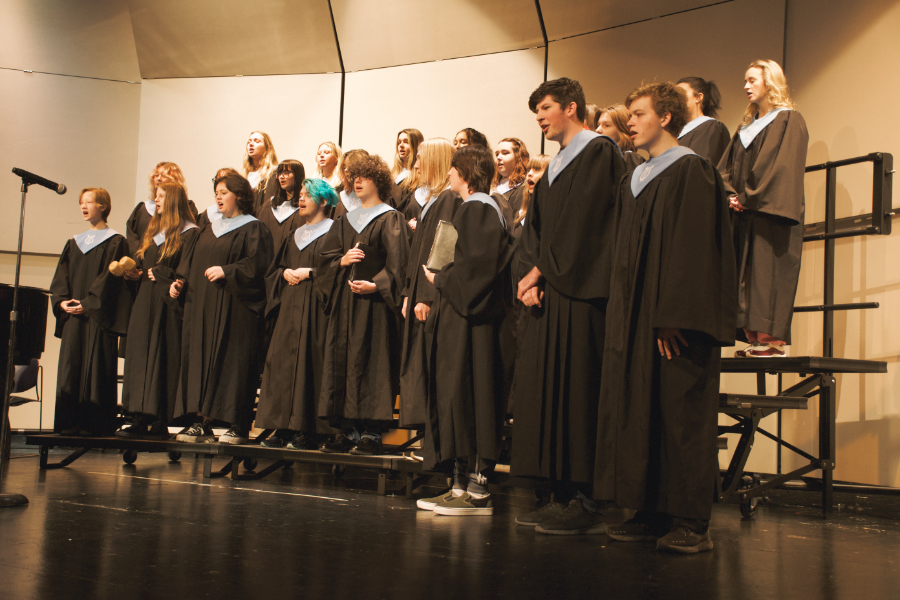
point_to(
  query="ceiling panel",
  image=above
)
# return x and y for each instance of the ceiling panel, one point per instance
(376, 33)
(87, 39)
(564, 18)
(214, 38)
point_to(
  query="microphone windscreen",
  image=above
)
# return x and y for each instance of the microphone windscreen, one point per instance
(61, 190)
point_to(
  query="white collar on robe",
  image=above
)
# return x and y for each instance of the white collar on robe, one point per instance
(422, 195)
(694, 125)
(401, 176)
(226, 225)
(307, 234)
(160, 237)
(350, 200)
(92, 238)
(503, 187)
(361, 217)
(648, 171)
(749, 132)
(284, 211)
(213, 213)
(150, 205)
(485, 199)
(427, 207)
(571, 152)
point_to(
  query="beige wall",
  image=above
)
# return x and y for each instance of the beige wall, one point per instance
(716, 43)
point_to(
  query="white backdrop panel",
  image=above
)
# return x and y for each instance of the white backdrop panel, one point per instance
(203, 124)
(489, 93)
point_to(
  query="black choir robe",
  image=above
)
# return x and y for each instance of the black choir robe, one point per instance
(514, 198)
(292, 379)
(153, 345)
(709, 140)
(505, 208)
(223, 322)
(473, 349)
(139, 220)
(203, 218)
(417, 288)
(403, 198)
(280, 231)
(86, 388)
(399, 192)
(522, 314)
(632, 160)
(768, 236)
(361, 376)
(264, 192)
(673, 268)
(568, 234)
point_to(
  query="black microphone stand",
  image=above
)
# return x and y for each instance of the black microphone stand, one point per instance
(12, 499)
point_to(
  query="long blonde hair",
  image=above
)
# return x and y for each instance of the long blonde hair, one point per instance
(336, 178)
(540, 162)
(268, 164)
(777, 92)
(171, 171)
(435, 155)
(174, 213)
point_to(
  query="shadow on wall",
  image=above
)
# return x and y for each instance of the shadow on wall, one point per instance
(867, 448)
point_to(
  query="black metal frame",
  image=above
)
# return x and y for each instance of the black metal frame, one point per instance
(735, 484)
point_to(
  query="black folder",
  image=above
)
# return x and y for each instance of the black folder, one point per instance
(369, 266)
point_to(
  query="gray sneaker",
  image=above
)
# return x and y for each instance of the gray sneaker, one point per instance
(430, 503)
(549, 511)
(575, 520)
(466, 506)
(685, 541)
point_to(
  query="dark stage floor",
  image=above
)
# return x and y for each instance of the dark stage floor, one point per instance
(101, 529)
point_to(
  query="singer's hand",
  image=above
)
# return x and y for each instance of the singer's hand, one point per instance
(175, 288)
(214, 273)
(73, 307)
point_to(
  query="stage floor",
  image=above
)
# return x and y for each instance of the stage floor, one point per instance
(101, 529)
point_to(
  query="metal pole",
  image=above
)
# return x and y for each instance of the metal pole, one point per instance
(337, 43)
(12, 499)
(540, 14)
(828, 319)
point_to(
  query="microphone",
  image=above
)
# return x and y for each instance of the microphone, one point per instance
(32, 178)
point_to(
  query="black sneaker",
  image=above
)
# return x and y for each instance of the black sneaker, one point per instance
(141, 431)
(685, 541)
(368, 447)
(341, 444)
(235, 435)
(197, 434)
(272, 442)
(302, 441)
(551, 510)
